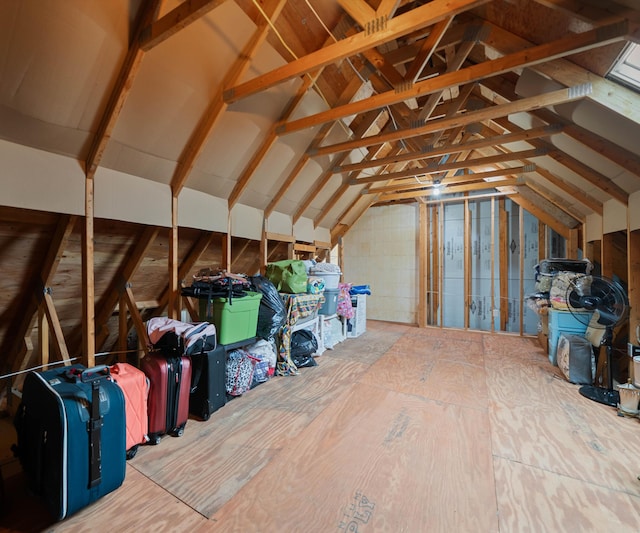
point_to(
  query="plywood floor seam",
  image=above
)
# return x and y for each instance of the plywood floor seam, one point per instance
(401, 429)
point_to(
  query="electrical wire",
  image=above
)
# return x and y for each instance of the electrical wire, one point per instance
(288, 48)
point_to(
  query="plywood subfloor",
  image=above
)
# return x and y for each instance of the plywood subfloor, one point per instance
(401, 429)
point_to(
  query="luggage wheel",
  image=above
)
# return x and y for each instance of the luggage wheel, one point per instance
(205, 416)
(131, 452)
(179, 432)
(154, 440)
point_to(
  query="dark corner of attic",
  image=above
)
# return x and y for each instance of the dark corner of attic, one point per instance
(89, 421)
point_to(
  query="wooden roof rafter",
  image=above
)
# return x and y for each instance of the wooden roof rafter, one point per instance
(175, 20)
(218, 105)
(345, 185)
(417, 18)
(395, 78)
(584, 171)
(613, 152)
(570, 189)
(433, 126)
(542, 215)
(475, 186)
(272, 136)
(267, 143)
(607, 93)
(529, 57)
(347, 94)
(411, 185)
(495, 140)
(324, 178)
(554, 199)
(457, 165)
(128, 71)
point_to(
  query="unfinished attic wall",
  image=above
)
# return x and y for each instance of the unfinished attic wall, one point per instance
(380, 250)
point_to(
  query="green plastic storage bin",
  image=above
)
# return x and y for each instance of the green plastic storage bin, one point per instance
(236, 320)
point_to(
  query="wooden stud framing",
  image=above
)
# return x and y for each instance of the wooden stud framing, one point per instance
(19, 345)
(493, 264)
(521, 269)
(572, 244)
(88, 287)
(467, 262)
(542, 240)
(111, 296)
(423, 259)
(503, 246)
(43, 338)
(129, 300)
(439, 232)
(173, 308)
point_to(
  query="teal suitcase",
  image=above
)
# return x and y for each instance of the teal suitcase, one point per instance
(71, 436)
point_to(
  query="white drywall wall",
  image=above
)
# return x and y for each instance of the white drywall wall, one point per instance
(202, 211)
(381, 250)
(120, 196)
(614, 217)
(35, 179)
(246, 222)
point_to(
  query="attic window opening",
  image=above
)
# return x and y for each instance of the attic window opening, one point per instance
(626, 69)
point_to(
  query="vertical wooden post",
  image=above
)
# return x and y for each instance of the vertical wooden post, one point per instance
(123, 326)
(264, 247)
(503, 230)
(572, 244)
(633, 253)
(436, 274)
(423, 258)
(542, 241)
(440, 267)
(429, 272)
(226, 247)
(607, 255)
(521, 269)
(493, 263)
(173, 310)
(43, 337)
(467, 262)
(88, 284)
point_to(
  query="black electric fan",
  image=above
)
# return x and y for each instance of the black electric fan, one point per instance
(607, 298)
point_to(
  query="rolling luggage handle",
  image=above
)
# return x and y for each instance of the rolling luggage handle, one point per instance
(94, 426)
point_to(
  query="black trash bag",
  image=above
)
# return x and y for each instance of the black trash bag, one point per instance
(303, 345)
(272, 315)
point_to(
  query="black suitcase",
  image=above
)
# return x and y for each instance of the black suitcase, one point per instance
(208, 390)
(71, 436)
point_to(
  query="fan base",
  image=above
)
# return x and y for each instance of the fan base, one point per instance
(600, 395)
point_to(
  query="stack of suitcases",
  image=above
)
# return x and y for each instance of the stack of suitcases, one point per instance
(77, 426)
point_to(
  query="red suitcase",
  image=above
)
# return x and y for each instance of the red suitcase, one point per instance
(135, 387)
(170, 384)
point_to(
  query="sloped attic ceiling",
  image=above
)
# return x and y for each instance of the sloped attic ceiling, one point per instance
(322, 108)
